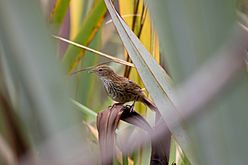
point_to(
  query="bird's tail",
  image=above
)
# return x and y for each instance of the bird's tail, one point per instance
(149, 103)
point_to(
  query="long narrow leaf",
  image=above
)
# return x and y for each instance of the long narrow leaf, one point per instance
(154, 77)
(95, 51)
(84, 109)
(88, 30)
(59, 10)
(43, 105)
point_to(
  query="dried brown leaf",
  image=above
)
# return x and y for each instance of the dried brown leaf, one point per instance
(107, 123)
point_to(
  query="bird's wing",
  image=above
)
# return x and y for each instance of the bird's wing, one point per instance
(134, 88)
(133, 85)
(130, 86)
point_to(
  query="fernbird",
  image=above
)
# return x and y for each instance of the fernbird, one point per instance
(121, 89)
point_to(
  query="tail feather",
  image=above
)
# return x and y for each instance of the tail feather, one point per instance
(149, 103)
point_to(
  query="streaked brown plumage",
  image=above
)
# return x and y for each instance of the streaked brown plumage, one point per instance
(120, 88)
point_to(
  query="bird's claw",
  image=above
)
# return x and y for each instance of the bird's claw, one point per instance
(129, 107)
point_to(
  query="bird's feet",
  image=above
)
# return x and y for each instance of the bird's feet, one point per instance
(129, 107)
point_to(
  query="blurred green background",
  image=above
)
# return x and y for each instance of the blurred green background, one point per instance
(45, 113)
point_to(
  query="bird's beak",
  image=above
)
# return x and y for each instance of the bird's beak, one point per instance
(89, 69)
(92, 70)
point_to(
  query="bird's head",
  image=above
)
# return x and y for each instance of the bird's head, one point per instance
(102, 71)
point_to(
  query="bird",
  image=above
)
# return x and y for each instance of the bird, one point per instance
(120, 88)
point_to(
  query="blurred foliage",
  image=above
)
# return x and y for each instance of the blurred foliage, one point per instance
(59, 11)
(86, 88)
(242, 5)
(33, 86)
(191, 33)
(39, 100)
(89, 27)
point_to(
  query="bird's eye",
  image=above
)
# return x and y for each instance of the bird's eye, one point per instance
(100, 70)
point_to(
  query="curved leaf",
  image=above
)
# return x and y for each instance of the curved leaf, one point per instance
(155, 79)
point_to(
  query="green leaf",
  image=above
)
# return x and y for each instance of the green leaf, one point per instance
(41, 96)
(84, 109)
(124, 159)
(88, 30)
(155, 79)
(59, 10)
(86, 84)
(192, 33)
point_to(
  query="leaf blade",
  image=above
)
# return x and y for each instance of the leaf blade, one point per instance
(154, 77)
(59, 11)
(88, 30)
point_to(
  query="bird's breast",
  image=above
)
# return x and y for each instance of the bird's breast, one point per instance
(117, 91)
